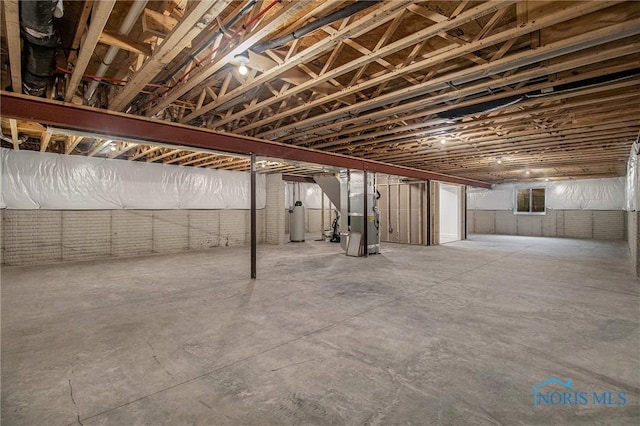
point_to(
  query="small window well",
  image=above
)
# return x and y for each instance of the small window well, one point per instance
(530, 200)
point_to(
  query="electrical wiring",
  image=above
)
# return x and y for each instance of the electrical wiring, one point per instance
(220, 47)
(116, 82)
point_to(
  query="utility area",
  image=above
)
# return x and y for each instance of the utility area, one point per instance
(275, 212)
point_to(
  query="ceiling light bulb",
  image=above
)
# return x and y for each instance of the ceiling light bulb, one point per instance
(264, 165)
(499, 161)
(112, 147)
(443, 141)
(242, 69)
(528, 172)
(546, 180)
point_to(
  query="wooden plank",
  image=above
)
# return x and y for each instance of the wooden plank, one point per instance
(122, 149)
(427, 112)
(449, 96)
(357, 28)
(12, 25)
(85, 11)
(181, 35)
(71, 143)
(383, 14)
(447, 54)
(99, 18)
(289, 10)
(99, 145)
(45, 138)
(157, 23)
(124, 42)
(14, 134)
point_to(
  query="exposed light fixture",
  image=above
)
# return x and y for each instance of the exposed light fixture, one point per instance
(243, 59)
(443, 141)
(112, 148)
(527, 172)
(499, 161)
(546, 180)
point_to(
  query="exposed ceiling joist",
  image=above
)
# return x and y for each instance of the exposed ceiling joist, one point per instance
(289, 9)
(99, 17)
(181, 36)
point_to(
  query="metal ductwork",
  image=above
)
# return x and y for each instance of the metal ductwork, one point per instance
(345, 12)
(40, 43)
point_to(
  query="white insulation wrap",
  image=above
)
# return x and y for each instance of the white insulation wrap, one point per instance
(34, 180)
(584, 194)
(310, 195)
(631, 188)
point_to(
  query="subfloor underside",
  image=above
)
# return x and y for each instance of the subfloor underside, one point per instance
(454, 334)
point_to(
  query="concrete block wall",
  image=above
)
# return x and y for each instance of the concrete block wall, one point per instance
(47, 236)
(582, 224)
(275, 209)
(633, 237)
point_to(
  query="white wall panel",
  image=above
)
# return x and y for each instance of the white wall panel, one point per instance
(35, 180)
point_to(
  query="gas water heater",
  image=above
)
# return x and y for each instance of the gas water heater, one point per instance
(296, 223)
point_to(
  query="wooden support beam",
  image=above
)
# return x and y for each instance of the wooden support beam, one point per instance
(181, 36)
(356, 28)
(124, 147)
(289, 10)
(12, 25)
(45, 138)
(381, 15)
(71, 143)
(143, 151)
(125, 42)
(14, 133)
(80, 30)
(99, 146)
(449, 53)
(165, 155)
(157, 23)
(99, 18)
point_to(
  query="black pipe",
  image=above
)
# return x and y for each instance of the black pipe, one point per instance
(352, 9)
(40, 43)
(493, 105)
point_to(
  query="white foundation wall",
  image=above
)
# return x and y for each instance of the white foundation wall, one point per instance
(584, 209)
(582, 224)
(633, 237)
(31, 237)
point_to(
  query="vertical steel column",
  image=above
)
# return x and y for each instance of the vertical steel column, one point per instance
(322, 218)
(464, 212)
(365, 204)
(428, 185)
(254, 239)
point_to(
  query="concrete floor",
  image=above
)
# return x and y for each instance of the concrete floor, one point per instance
(451, 335)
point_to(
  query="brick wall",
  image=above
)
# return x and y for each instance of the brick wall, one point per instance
(48, 236)
(582, 224)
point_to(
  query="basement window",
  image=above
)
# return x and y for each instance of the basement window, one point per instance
(530, 200)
